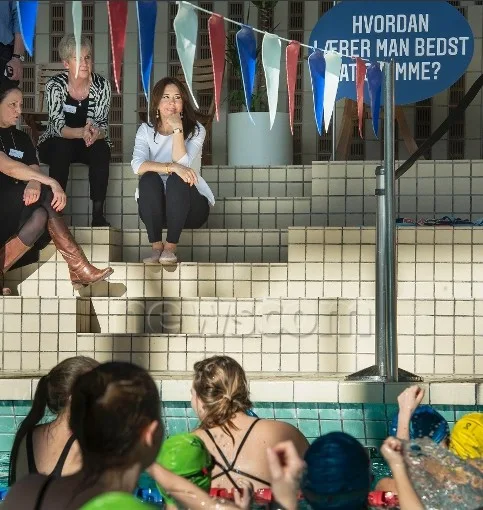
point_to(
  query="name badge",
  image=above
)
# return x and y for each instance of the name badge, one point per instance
(69, 108)
(14, 153)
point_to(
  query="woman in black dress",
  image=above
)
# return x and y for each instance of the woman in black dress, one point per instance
(30, 201)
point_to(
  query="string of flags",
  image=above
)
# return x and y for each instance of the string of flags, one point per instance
(324, 66)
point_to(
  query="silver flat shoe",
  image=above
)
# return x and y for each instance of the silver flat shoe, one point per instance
(153, 258)
(168, 257)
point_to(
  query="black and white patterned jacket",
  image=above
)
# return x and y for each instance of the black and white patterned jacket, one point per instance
(97, 112)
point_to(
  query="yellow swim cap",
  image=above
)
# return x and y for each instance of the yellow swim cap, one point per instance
(466, 440)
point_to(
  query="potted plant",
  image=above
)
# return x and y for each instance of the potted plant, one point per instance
(256, 144)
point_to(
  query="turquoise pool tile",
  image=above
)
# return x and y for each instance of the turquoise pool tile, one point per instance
(460, 411)
(309, 428)
(6, 441)
(330, 426)
(292, 422)
(193, 423)
(283, 411)
(264, 410)
(448, 412)
(21, 407)
(376, 429)
(6, 408)
(307, 411)
(329, 411)
(176, 426)
(174, 409)
(7, 425)
(190, 412)
(351, 411)
(374, 411)
(354, 428)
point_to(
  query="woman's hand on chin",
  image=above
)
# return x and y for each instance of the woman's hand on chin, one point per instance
(174, 121)
(32, 192)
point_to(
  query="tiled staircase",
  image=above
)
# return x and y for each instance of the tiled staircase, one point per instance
(266, 282)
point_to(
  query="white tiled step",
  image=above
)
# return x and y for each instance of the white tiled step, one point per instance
(285, 388)
(263, 212)
(326, 335)
(189, 279)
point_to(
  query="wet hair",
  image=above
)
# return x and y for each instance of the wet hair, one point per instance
(111, 407)
(6, 87)
(190, 115)
(338, 474)
(53, 392)
(67, 46)
(221, 384)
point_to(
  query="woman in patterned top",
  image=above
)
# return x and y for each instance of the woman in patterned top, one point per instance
(31, 202)
(78, 123)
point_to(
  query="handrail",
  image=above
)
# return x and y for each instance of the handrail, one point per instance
(456, 112)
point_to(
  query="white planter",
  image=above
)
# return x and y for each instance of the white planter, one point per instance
(257, 145)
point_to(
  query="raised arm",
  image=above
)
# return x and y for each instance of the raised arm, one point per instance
(186, 151)
(408, 401)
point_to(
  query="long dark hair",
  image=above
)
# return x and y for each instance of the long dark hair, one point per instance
(190, 115)
(53, 392)
(111, 406)
(221, 384)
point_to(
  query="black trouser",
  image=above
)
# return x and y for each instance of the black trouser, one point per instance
(6, 52)
(59, 153)
(180, 206)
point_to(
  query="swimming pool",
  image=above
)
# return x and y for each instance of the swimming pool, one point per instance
(366, 422)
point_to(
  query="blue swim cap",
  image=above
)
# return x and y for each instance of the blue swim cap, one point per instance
(425, 422)
(338, 474)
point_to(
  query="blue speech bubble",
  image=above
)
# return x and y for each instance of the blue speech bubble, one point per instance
(431, 43)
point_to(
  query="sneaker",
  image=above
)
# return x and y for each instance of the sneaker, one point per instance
(153, 258)
(168, 257)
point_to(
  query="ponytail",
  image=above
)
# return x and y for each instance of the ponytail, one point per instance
(36, 413)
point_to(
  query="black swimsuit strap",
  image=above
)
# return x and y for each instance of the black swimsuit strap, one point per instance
(57, 472)
(43, 490)
(30, 453)
(229, 466)
(243, 441)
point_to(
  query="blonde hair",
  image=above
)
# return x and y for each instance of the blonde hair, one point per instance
(221, 385)
(66, 47)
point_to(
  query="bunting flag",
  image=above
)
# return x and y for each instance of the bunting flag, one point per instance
(186, 29)
(271, 54)
(146, 13)
(27, 17)
(374, 80)
(360, 79)
(292, 53)
(317, 78)
(117, 13)
(333, 64)
(216, 33)
(77, 21)
(247, 53)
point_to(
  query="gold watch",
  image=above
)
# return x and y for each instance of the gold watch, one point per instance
(177, 130)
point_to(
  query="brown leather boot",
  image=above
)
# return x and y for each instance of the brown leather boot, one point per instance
(12, 251)
(82, 273)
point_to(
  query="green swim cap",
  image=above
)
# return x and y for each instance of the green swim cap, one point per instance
(186, 455)
(116, 501)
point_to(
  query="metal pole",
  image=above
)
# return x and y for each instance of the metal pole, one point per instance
(334, 132)
(334, 122)
(390, 227)
(381, 248)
